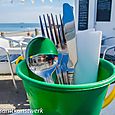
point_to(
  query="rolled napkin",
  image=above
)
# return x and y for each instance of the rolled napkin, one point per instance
(88, 48)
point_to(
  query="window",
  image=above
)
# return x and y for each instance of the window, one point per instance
(83, 14)
(104, 10)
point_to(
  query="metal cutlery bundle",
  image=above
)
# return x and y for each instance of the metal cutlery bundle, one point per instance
(53, 28)
(44, 60)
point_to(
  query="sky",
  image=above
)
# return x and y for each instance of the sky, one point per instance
(19, 11)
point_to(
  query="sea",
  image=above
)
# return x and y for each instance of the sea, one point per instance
(10, 27)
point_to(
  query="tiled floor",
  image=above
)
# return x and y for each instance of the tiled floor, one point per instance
(9, 98)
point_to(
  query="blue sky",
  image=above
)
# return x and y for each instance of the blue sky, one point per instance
(28, 12)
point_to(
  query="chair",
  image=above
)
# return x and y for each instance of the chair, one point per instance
(10, 55)
(7, 58)
(108, 49)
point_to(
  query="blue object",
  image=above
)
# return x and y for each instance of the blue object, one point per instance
(64, 63)
(67, 13)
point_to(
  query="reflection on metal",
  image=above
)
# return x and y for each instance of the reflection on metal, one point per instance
(42, 62)
(43, 65)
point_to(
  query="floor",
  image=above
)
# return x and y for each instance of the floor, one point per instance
(9, 97)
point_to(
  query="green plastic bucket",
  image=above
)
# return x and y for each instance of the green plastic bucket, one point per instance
(55, 99)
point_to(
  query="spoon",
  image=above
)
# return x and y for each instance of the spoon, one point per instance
(43, 65)
(42, 58)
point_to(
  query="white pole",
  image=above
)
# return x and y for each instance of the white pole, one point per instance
(92, 14)
(76, 14)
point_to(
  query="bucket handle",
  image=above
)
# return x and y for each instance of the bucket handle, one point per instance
(20, 58)
(109, 98)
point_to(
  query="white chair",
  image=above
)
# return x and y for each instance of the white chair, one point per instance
(10, 65)
(108, 49)
(9, 55)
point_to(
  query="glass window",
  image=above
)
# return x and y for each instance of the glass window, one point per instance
(104, 10)
(83, 14)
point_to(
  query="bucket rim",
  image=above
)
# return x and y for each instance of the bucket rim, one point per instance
(60, 87)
